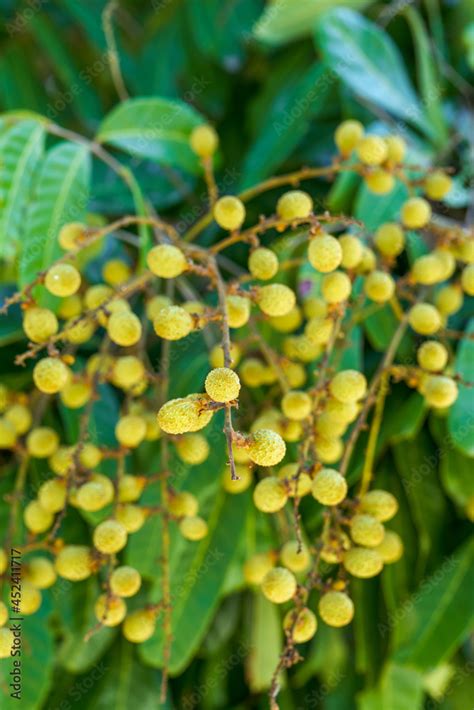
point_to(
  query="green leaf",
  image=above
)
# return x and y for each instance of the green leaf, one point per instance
(61, 196)
(440, 614)
(265, 643)
(283, 20)
(460, 420)
(154, 128)
(455, 469)
(366, 59)
(21, 149)
(399, 688)
(373, 211)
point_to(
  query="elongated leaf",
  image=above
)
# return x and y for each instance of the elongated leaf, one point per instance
(455, 468)
(265, 643)
(440, 615)
(153, 128)
(20, 151)
(366, 59)
(61, 196)
(399, 688)
(461, 416)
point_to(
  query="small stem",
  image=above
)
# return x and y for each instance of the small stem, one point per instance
(112, 51)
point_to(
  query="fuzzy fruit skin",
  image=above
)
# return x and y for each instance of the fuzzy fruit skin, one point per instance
(193, 528)
(380, 182)
(439, 391)
(124, 328)
(437, 185)
(173, 323)
(263, 263)
(132, 517)
(244, 481)
(40, 572)
(130, 430)
(182, 415)
(368, 261)
(279, 585)
(416, 213)
(166, 261)
(74, 562)
(427, 270)
(76, 394)
(390, 239)
(275, 299)
(229, 213)
(115, 272)
(204, 140)
(294, 204)
(296, 405)
(292, 559)
(39, 324)
(95, 494)
(50, 375)
(192, 449)
(183, 504)
(238, 311)
(303, 623)
(36, 518)
(216, 356)
(289, 322)
(52, 495)
(266, 447)
(329, 449)
(366, 530)
(372, 150)
(381, 505)
(347, 136)
(71, 235)
(379, 286)
(270, 495)
(363, 562)
(336, 287)
(329, 487)
(62, 280)
(42, 442)
(336, 609)
(257, 566)
(319, 330)
(109, 537)
(348, 386)
(297, 483)
(324, 253)
(139, 626)
(352, 250)
(110, 611)
(432, 356)
(125, 581)
(424, 319)
(222, 384)
(467, 280)
(6, 642)
(391, 547)
(449, 300)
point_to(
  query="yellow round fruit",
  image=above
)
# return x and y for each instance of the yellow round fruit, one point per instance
(439, 391)
(139, 625)
(363, 562)
(30, 600)
(372, 150)
(287, 323)
(348, 136)
(71, 235)
(62, 280)
(390, 239)
(132, 517)
(52, 495)
(8, 434)
(124, 328)
(416, 213)
(257, 566)
(252, 372)
(130, 488)
(270, 495)
(348, 386)
(329, 487)
(229, 213)
(90, 456)
(302, 624)
(6, 642)
(128, 371)
(78, 332)
(74, 562)
(42, 442)
(155, 304)
(324, 253)
(427, 270)
(379, 286)
(352, 251)
(40, 572)
(467, 280)
(368, 261)
(193, 528)
(183, 505)
(50, 375)
(344, 412)
(266, 447)
(37, 520)
(336, 609)
(366, 530)
(110, 537)
(130, 431)
(432, 356)
(380, 182)
(166, 261)
(275, 299)
(204, 140)
(424, 319)
(449, 299)
(222, 384)
(62, 460)
(315, 307)
(173, 323)
(263, 263)
(294, 559)
(125, 581)
(437, 185)
(381, 505)
(39, 324)
(94, 495)
(296, 405)
(192, 449)
(76, 394)
(115, 272)
(294, 204)
(396, 148)
(216, 356)
(336, 287)
(179, 416)
(328, 449)
(110, 610)
(19, 415)
(279, 585)
(240, 485)
(391, 547)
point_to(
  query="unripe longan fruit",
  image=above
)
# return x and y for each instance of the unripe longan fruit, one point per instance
(76, 394)
(128, 371)
(328, 449)
(296, 405)
(19, 415)
(368, 261)
(182, 415)
(294, 204)
(289, 322)
(303, 623)
(39, 324)
(204, 140)
(238, 311)
(327, 426)
(336, 609)
(50, 375)
(62, 280)
(324, 253)
(348, 386)
(391, 547)
(30, 600)
(366, 530)
(132, 517)
(427, 270)
(380, 181)
(74, 562)
(222, 384)
(155, 304)
(42, 442)
(192, 449)
(252, 372)
(115, 272)
(237, 486)
(465, 250)
(109, 537)
(130, 431)
(415, 213)
(279, 585)
(61, 461)
(379, 286)
(93, 496)
(6, 642)
(263, 263)
(193, 528)
(125, 581)
(390, 239)
(363, 562)
(90, 456)
(52, 495)
(292, 559)
(139, 625)
(257, 566)
(329, 487)
(315, 307)
(372, 150)
(345, 412)
(173, 323)
(71, 235)
(266, 447)
(275, 299)
(446, 263)
(432, 356)
(396, 148)
(7, 434)
(80, 332)
(40, 572)
(437, 185)
(352, 250)
(183, 505)
(229, 212)
(270, 495)
(467, 280)
(124, 328)
(381, 505)
(424, 319)
(166, 261)
(347, 136)
(109, 610)
(216, 356)
(449, 300)
(439, 391)
(336, 287)
(36, 518)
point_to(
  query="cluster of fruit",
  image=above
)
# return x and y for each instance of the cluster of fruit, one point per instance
(308, 405)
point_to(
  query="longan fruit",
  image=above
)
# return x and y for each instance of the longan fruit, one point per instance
(348, 386)
(348, 136)
(424, 319)
(390, 239)
(39, 324)
(372, 150)
(336, 609)
(296, 561)
(192, 449)
(381, 505)
(366, 530)
(193, 528)
(437, 185)
(74, 562)
(380, 181)
(432, 356)
(303, 624)
(62, 280)
(71, 235)
(109, 537)
(279, 585)
(329, 487)
(294, 204)
(173, 323)
(184, 414)
(229, 213)
(391, 547)
(363, 562)
(415, 213)
(124, 328)
(440, 391)
(222, 384)
(110, 610)
(270, 495)
(204, 140)
(166, 261)
(324, 253)
(266, 447)
(130, 431)
(263, 263)
(125, 581)
(336, 287)
(379, 286)
(296, 405)
(275, 299)
(139, 625)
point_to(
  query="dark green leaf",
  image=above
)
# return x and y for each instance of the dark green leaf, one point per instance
(460, 421)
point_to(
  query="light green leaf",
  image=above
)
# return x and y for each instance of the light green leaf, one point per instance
(461, 414)
(153, 128)
(455, 469)
(265, 643)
